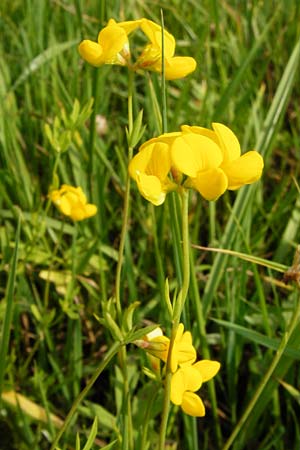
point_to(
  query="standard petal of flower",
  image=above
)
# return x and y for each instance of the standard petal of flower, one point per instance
(178, 67)
(192, 405)
(245, 170)
(201, 130)
(151, 189)
(183, 352)
(112, 39)
(154, 34)
(228, 142)
(210, 183)
(208, 369)
(130, 25)
(193, 152)
(91, 52)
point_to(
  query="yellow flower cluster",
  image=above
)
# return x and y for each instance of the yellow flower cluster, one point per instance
(207, 160)
(71, 201)
(113, 48)
(187, 375)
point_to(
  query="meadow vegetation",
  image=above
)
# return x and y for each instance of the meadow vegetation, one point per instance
(63, 121)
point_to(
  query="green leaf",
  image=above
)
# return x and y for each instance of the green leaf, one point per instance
(9, 305)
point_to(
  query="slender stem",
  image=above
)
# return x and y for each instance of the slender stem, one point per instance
(163, 78)
(285, 339)
(126, 203)
(107, 358)
(127, 442)
(205, 348)
(180, 301)
(92, 135)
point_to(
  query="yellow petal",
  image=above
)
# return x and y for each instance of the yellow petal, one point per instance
(130, 25)
(154, 34)
(90, 210)
(151, 188)
(112, 39)
(201, 130)
(64, 205)
(228, 142)
(177, 387)
(91, 52)
(179, 67)
(193, 152)
(210, 183)
(183, 352)
(192, 405)
(245, 170)
(208, 369)
(140, 161)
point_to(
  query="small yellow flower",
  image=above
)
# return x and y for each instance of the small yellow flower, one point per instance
(183, 352)
(150, 168)
(72, 202)
(112, 46)
(212, 160)
(187, 380)
(151, 56)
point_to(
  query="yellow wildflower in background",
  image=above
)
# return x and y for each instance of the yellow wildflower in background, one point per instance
(113, 48)
(72, 202)
(210, 160)
(151, 56)
(188, 380)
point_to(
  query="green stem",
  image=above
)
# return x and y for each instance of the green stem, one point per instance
(107, 358)
(127, 442)
(205, 348)
(178, 308)
(92, 135)
(126, 204)
(283, 344)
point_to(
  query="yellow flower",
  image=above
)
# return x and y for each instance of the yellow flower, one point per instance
(150, 168)
(183, 352)
(156, 344)
(112, 46)
(151, 56)
(212, 160)
(187, 380)
(72, 202)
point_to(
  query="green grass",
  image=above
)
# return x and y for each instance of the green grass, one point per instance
(57, 278)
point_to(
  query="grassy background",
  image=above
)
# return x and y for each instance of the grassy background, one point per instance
(248, 78)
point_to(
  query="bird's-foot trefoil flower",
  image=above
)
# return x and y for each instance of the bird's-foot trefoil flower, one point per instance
(183, 352)
(188, 380)
(150, 168)
(206, 160)
(151, 56)
(112, 46)
(72, 202)
(212, 160)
